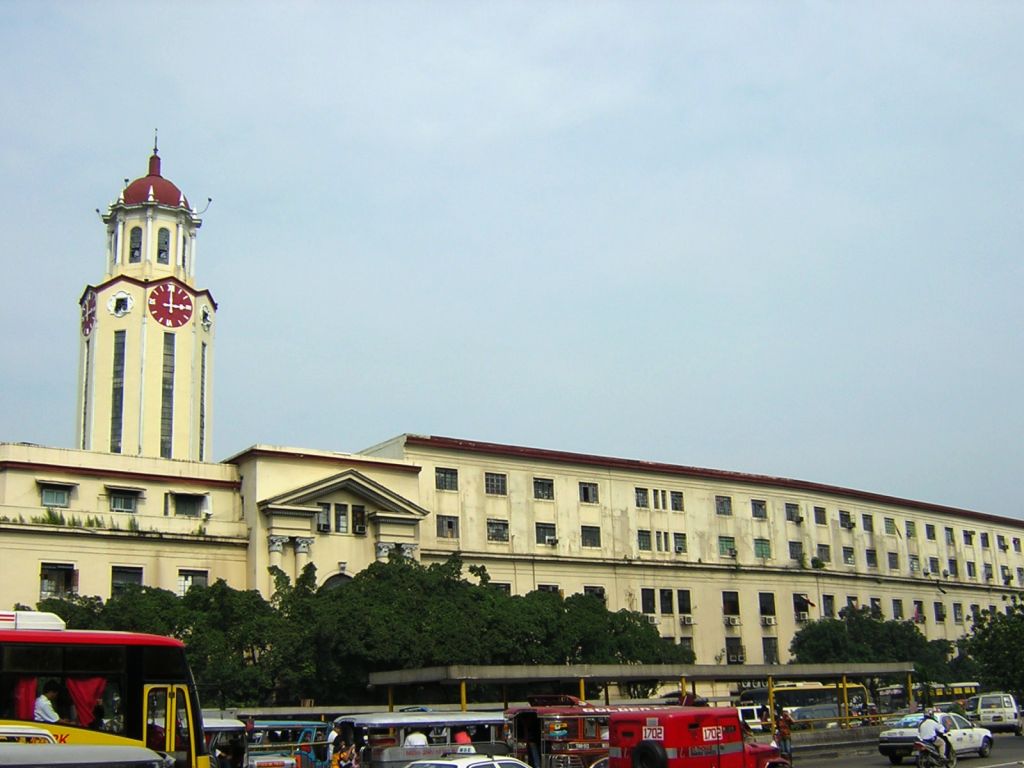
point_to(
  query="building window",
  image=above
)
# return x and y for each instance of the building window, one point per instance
(911, 528)
(929, 531)
(825, 553)
(543, 488)
(57, 580)
(793, 513)
(969, 538)
(495, 484)
(117, 393)
(987, 570)
(723, 505)
(189, 578)
(727, 546)
(933, 565)
(643, 540)
(848, 556)
(676, 499)
(950, 538)
(914, 562)
(890, 526)
(828, 606)
(1016, 544)
(123, 500)
(446, 479)
(588, 493)
(167, 399)
(867, 522)
(590, 536)
(770, 649)
(549, 588)
(341, 518)
(323, 519)
(984, 540)
(1020, 576)
(845, 519)
(731, 603)
(952, 567)
(646, 600)
(55, 496)
(122, 577)
(184, 504)
(1001, 542)
(665, 600)
(759, 509)
(497, 530)
(971, 570)
(958, 613)
(766, 603)
(135, 245)
(679, 542)
(871, 558)
(163, 246)
(762, 548)
(447, 527)
(641, 496)
(545, 533)
(594, 591)
(939, 611)
(683, 601)
(897, 609)
(894, 561)
(734, 651)
(876, 607)
(796, 550)
(359, 519)
(502, 586)
(819, 516)
(202, 403)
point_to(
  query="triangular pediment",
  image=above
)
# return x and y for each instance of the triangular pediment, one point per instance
(381, 501)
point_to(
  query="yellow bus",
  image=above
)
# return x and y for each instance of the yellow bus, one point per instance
(107, 688)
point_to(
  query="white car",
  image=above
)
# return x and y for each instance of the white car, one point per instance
(897, 742)
(468, 760)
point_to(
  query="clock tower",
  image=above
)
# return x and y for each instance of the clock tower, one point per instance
(147, 331)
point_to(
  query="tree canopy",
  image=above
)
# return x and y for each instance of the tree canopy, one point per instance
(321, 644)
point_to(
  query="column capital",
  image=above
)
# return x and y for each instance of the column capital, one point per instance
(303, 544)
(276, 543)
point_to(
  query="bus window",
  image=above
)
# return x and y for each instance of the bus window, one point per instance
(156, 718)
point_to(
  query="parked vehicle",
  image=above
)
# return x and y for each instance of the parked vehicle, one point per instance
(686, 737)
(465, 759)
(897, 742)
(25, 734)
(288, 744)
(227, 742)
(80, 756)
(995, 711)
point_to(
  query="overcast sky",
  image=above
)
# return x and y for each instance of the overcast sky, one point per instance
(775, 237)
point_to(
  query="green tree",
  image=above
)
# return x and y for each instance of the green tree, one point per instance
(996, 644)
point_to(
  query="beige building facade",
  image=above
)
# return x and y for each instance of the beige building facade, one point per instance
(727, 563)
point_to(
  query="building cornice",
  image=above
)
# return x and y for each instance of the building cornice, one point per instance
(107, 473)
(271, 452)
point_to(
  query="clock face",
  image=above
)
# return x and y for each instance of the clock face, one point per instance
(88, 313)
(170, 305)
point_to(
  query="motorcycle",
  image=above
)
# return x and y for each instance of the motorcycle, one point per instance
(928, 756)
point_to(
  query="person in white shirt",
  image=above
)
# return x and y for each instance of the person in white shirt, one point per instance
(415, 739)
(44, 711)
(933, 733)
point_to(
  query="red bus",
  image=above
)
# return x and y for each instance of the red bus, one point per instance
(103, 687)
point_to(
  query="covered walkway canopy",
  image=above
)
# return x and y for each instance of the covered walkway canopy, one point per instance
(461, 674)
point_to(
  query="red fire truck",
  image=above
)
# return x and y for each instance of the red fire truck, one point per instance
(686, 737)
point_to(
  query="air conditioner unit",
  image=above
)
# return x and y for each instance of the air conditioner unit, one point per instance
(732, 621)
(798, 519)
(733, 659)
(680, 550)
(918, 619)
(740, 658)
(652, 619)
(926, 572)
(732, 553)
(945, 574)
(551, 540)
(803, 616)
(685, 620)
(768, 621)
(323, 527)
(848, 524)
(359, 529)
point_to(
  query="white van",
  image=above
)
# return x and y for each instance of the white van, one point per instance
(995, 711)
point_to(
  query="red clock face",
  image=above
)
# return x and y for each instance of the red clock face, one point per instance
(170, 305)
(88, 313)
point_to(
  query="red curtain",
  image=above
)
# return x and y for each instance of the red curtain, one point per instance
(85, 692)
(25, 698)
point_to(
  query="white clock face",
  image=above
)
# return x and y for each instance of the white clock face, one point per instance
(120, 304)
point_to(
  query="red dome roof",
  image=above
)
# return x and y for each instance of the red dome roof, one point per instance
(164, 191)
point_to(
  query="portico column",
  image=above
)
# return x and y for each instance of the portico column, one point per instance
(276, 544)
(302, 547)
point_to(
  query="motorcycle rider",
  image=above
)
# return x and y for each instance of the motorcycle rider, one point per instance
(932, 732)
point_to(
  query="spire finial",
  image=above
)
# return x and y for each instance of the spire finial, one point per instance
(155, 134)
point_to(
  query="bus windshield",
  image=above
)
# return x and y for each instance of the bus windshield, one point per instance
(790, 697)
(90, 687)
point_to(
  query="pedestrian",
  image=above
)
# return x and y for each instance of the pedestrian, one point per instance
(331, 737)
(783, 734)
